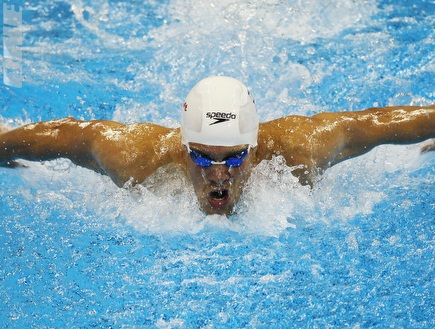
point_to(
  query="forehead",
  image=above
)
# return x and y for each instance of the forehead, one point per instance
(217, 150)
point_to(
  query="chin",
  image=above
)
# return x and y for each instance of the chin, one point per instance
(222, 212)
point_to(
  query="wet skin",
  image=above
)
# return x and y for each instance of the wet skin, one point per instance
(131, 153)
(218, 187)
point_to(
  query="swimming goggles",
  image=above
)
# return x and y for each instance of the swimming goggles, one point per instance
(202, 160)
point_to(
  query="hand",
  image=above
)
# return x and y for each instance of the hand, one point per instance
(428, 147)
(9, 164)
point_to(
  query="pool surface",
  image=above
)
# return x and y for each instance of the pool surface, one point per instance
(357, 251)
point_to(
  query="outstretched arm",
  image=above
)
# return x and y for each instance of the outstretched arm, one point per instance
(361, 131)
(42, 141)
(325, 139)
(121, 151)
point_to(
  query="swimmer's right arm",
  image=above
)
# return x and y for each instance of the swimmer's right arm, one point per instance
(65, 138)
(123, 152)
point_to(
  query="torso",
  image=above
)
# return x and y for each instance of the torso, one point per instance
(139, 150)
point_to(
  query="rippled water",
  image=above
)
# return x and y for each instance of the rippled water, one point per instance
(356, 251)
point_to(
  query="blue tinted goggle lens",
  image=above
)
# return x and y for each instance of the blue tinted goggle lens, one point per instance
(203, 161)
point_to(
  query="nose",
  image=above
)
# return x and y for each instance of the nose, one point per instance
(218, 174)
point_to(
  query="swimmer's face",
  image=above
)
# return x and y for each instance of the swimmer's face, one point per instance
(219, 186)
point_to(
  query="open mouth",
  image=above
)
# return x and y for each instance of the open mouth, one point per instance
(219, 198)
(219, 195)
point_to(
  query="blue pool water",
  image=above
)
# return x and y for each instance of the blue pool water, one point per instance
(355, 252)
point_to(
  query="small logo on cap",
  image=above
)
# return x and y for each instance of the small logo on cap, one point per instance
(220, 117)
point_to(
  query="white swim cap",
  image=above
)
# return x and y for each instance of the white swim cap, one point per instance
(219, 111)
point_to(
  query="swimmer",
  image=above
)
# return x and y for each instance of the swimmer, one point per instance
(219, 143)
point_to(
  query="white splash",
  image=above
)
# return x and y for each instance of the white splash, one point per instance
(198, 38)
(301, 20)
(273, 202)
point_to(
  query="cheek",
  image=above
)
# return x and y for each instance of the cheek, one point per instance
(196, 176)
(243, 172)
(193, 171)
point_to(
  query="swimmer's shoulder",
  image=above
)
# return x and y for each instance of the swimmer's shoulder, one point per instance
(165, 141)
(142, 130)
(149, 127)
(292, 125)
(284, 136)
(154, 131)
(143, 138)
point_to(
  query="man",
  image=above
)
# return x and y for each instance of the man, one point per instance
(219, 142)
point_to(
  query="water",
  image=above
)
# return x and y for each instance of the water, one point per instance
(355, 252)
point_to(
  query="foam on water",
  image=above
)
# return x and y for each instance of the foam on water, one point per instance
(284, 51)
(192, 32)
(273, 202)
(194, 39)
(356, 251)
(165, 58)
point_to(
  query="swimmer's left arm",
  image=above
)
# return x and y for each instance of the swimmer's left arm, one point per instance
(428, 147)
(361, 131)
